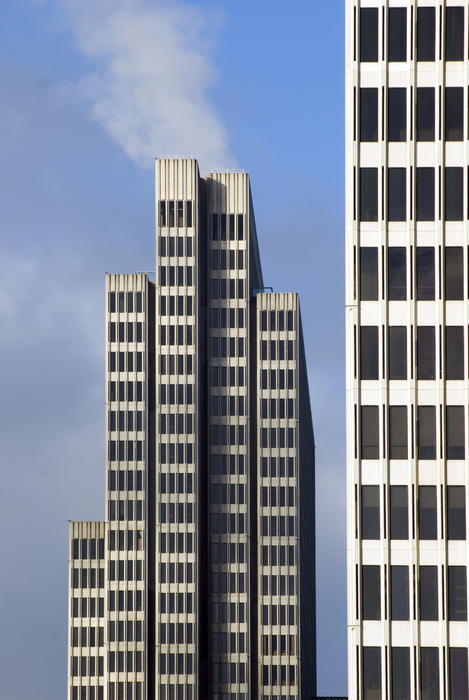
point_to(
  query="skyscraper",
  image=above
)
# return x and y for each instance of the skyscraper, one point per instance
(407, 322)
(201, 581)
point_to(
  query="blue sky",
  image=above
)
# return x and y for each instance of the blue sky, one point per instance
(91, 91)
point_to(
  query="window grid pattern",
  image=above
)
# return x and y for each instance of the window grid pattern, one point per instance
(228, 432)
(407, 320)
(86, 650)
(176, 430)
(277, 412)
(126, 424)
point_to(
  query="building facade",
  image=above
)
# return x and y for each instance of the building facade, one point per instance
(407, 318)
(204, 570)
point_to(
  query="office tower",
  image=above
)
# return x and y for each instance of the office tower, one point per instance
(201, 582)
(407, 337)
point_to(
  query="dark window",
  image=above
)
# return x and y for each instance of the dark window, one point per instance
(215, 227)
(240, 230)
(427, 513)
(371, 672)
(457, 593)
(396, 194)
(426, 114)
(454, 432)
(371, 597)
(368, 114)
(368, 274)
(426, 432)
(400, 673)
(397, 432)
(458, 674)
(454, 286)
(454, 114)
(456, 513)
(454, 194)
(429, 673)
(454, 352)
(397, 34)
(369, 352)
(368, 194)
(397, 283)
(428, 592)
(397, 352)
(368, 34)
(425, 274)
(425, 194)
(397, 114)
(369, 432)
(370, 512)
(399, 512)
(454, 35)
(180, 213)
(425, 352)
(188, 213)
(399, 592)
(162, 213)
(425, 34)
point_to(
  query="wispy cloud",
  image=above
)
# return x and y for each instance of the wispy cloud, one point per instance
(151, 76)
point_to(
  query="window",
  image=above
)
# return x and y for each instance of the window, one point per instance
(368, 274)
(368, 114)
(455, 432)
(458, 674)
(370, 512)
(426, 432)
(240, 230)
(425, 352)
(454, 194)
(397, 283)
(397, 432)
(397, 34)
(454, 286)
(397, 114)
(399, 513)
(189, 213)
(368, 35)
(425, 194)
(454, 35)
(397, 352)
(454, 114)
(429, 673)
(425, 274)
(371, 597)
(428, 592)
(369, 352)
(369, 432)
(399, 592)
(427, 512)
(396, 194)
(180, 213)
(456, 512)
(425, 34)
(457, 593)
(400, 673)
(425, 114)
(371, 673)
(369, 194)
(454, 352)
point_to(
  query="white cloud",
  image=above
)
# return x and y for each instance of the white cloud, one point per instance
(151, 75)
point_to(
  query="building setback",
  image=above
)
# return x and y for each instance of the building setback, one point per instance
(201, 581)
(407, 313)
